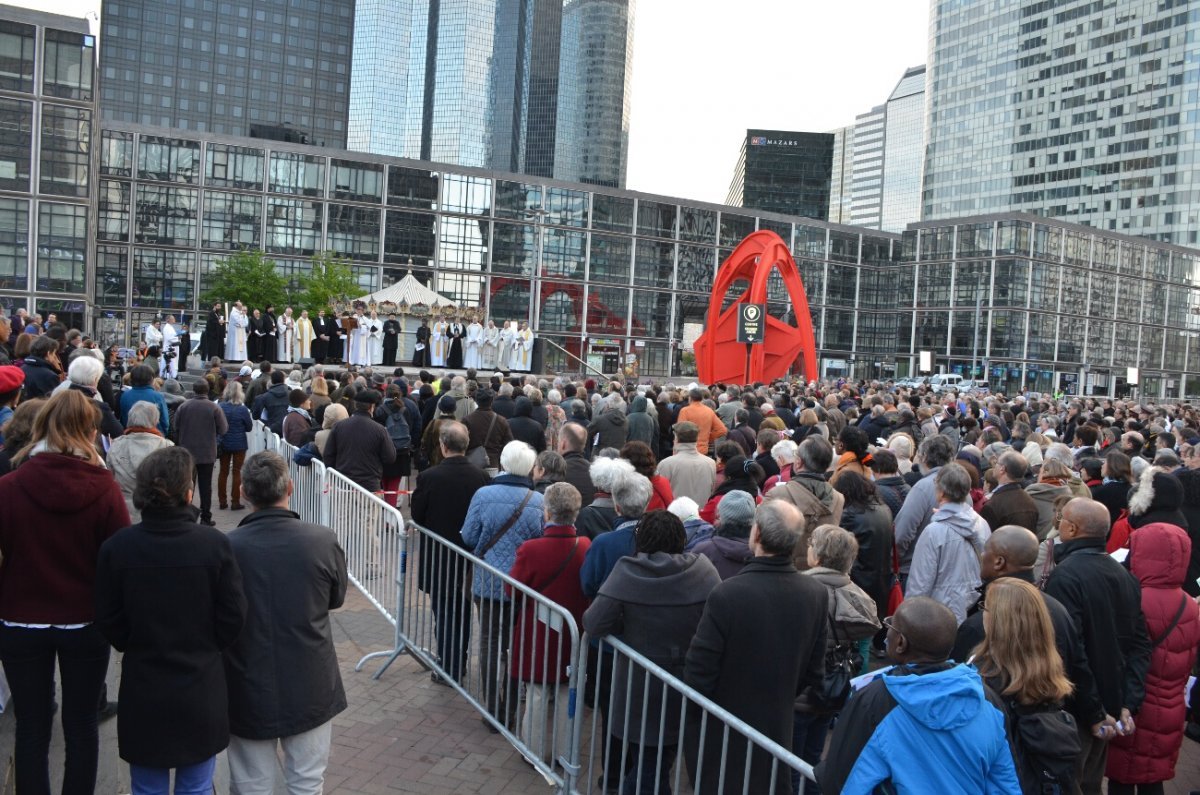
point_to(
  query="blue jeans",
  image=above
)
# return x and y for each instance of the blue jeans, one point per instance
(190, 780)
(808, 743)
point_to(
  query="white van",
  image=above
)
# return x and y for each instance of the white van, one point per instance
(943, 382)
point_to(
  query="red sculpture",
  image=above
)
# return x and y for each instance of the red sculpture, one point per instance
(719, 356)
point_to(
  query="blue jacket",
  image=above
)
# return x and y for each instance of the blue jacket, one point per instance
(240, 424)
(602, 556)
(150, 395)
(930, 729)
(491, 508)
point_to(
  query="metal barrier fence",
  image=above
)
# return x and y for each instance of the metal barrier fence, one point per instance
(258, 439)
(309, 486)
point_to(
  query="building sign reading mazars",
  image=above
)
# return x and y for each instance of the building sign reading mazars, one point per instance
(762, 140)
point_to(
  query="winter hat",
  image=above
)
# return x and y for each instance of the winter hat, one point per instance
(737, 507)
(10, 378)
(447, 404)
(1156, 497)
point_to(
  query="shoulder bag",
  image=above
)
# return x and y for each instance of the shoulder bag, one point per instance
(512, 520)
(478, 455)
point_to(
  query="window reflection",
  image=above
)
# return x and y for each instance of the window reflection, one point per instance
(66, 150)
(14, 244)
(16, 143)
(297, 174)
(168, 160)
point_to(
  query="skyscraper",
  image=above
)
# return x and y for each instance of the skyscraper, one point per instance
(866, 181)
(784, 172)
(841, 188)
(264, 68)
(1078, 111)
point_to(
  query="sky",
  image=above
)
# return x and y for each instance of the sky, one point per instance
(704, 71)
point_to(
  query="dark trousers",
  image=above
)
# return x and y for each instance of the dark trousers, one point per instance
(495, 633)
(29, 656)
(452, 615)
(656, 764)
(1093, 756)
(389, 357)
(808, 743)
(598, 695)
(204, 478)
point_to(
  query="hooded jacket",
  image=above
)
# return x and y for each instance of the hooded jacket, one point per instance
(816, 499)
(728, 555)
(915, 515)
(1159, 556)
(126, 454)
(525, 428)
(611, 428)
(933, 729)
(945, 565)
(642, 427)
(271, 407)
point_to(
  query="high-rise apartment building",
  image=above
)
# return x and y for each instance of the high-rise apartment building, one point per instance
(1081, 111)
(262, 68)
(784, 172)
(535, 87)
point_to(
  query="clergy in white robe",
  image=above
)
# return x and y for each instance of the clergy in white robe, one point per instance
(473, 346)
(154, 335)
(439, 344)
(358, 342)
(374, 339)
(235, 336)
(168, 363)
(490, 350)
(306, 334)
(285, 330)
(522, 356)
(507, 334)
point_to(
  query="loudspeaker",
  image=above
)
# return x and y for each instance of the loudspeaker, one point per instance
(537, 355)
(306, 362)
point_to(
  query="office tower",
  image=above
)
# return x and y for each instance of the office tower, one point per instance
(595, 74)
(262, 68)
(866, 182)
(841, 176)
(784, 172)
(1078, 111)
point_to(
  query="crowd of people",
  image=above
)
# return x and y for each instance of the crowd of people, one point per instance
(1021, 567)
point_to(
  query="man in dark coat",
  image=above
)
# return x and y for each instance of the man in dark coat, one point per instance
(320, 344)
(198, 423)
(1105, 602)
(254, 337)
(283, 678)
(455, 359)
(1009, 504)
(760, 643)
(571, 440)
(439, 504)
(487, 428)
(214, 334)
(359, 447)
(41, 368)
(270, 339)
(525, 428)
(391, 339)
(272, 406)
(421, 349)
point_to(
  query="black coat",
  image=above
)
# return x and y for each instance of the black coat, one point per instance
(391, 335)
(872, 571)
(579, 475)
(40, 378)
(1105, 602)
(760, 643)
(1114, 495)
(359, 448)
(525, 428)
(1009, 504)
(439, 503)
(169, 595)
(283, 670)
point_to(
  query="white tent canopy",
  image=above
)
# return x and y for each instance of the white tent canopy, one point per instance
(408, 292)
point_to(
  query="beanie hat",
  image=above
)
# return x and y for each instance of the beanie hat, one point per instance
(447, 404)
(736, 506)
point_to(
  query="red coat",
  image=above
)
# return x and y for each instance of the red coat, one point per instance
(661, 496)
(537, 654)
(1159, 555)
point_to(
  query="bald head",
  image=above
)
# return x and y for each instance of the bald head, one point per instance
(1008, 550)
(1088, 518)
(927, 631)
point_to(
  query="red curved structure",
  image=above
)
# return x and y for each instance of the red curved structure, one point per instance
(719, 356)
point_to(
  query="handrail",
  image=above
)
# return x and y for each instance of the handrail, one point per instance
(576, 358)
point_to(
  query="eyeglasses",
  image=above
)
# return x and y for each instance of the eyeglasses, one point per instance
(890, 623)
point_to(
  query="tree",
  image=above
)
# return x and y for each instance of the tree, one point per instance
(331, 280)
(249, 277)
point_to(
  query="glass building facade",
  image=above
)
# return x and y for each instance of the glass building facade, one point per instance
(1088, 112)
(784, 172)
(264, 68)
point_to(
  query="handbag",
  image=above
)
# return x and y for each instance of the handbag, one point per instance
(842, 663)
(478, 455)
(895, 593)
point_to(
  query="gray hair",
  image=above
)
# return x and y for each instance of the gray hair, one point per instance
(552, 465)
(454, 436)
(85, 371)
(937, 451)
(815, 454)
(143, 414)
(554, 397)
(265, 479)
(631, 494)
(780, 525)
(834, 547)
(1061, 453)
(561, 502)
(614, 402)
(953, 483)
(604, 472)
(233, 393)
(506, 389)
(517, 458)
(1013, 463)
(785, 450)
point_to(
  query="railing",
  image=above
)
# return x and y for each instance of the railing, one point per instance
(258, 439)
(310, 486)
(576, 358)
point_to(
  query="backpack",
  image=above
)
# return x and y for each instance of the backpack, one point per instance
(1046, 746)
(397, 428)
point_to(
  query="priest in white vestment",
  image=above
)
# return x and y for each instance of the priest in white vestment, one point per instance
(235, 336)
(306, 334)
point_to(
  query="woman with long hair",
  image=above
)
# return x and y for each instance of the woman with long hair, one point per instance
(56, 509)
(169, 596)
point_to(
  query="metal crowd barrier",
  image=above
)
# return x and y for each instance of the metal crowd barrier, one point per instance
(309, 486)
(258, 439)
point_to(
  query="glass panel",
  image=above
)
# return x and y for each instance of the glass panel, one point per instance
(1151, 349)
(656, 219)
(612, 213)
(1133, 259)
(561, 307)
(66, 150)
(412, 187)
(163, 279)
(839, 329)
(1074, 293)
(566, 207)
(467, 195)
(463, 243)
(843, 281)
(465, 289)
(651, 314)
(514, 249)
(16, 56)
(409, 236)
(972, 281)
(932, 331)
(509, 300)
(518, 200)
(734, 228)
(1071, 330)
(116, 154)
(233, 167)
(231, 220)
(975, 240)
(1041, 336)
(302, 175)
(696, 271)
(1013, 237)
(1047, 242)
(16, 143)
(361, 182)
(166, 215)
(1125, 345)
(112, 274)
(1099, 342)
(810, 241)
(608, 309)
(697, 226)
(843, 246)
(62, 248)
(293, 226)
(353, 232)
(70, 65)
(563, 253)
(1012, 285)
(1044, 287)
(14, 244)
(113, 211)
(1079, 251)
(933, 284)
(168, 160)
(610, 258)
(366, 276)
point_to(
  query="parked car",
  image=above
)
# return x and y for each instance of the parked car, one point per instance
(974, 387)
(944, 382)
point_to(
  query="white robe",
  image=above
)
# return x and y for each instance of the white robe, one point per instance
(504, 360)
(170, 339)
(305, 334)
(522, 355)
(235, 336)
(153, 337)
(374, 340)
(472, 354)
(285, 340)
(358, 343)
(490, 352)
(439, 345)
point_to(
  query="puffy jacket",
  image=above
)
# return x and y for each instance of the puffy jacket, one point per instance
(271, 407)
(916, 719)
(945, 565)
(491, 508)
(1159, 556)
(240, 423)
(124, 457)
(147, 394)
